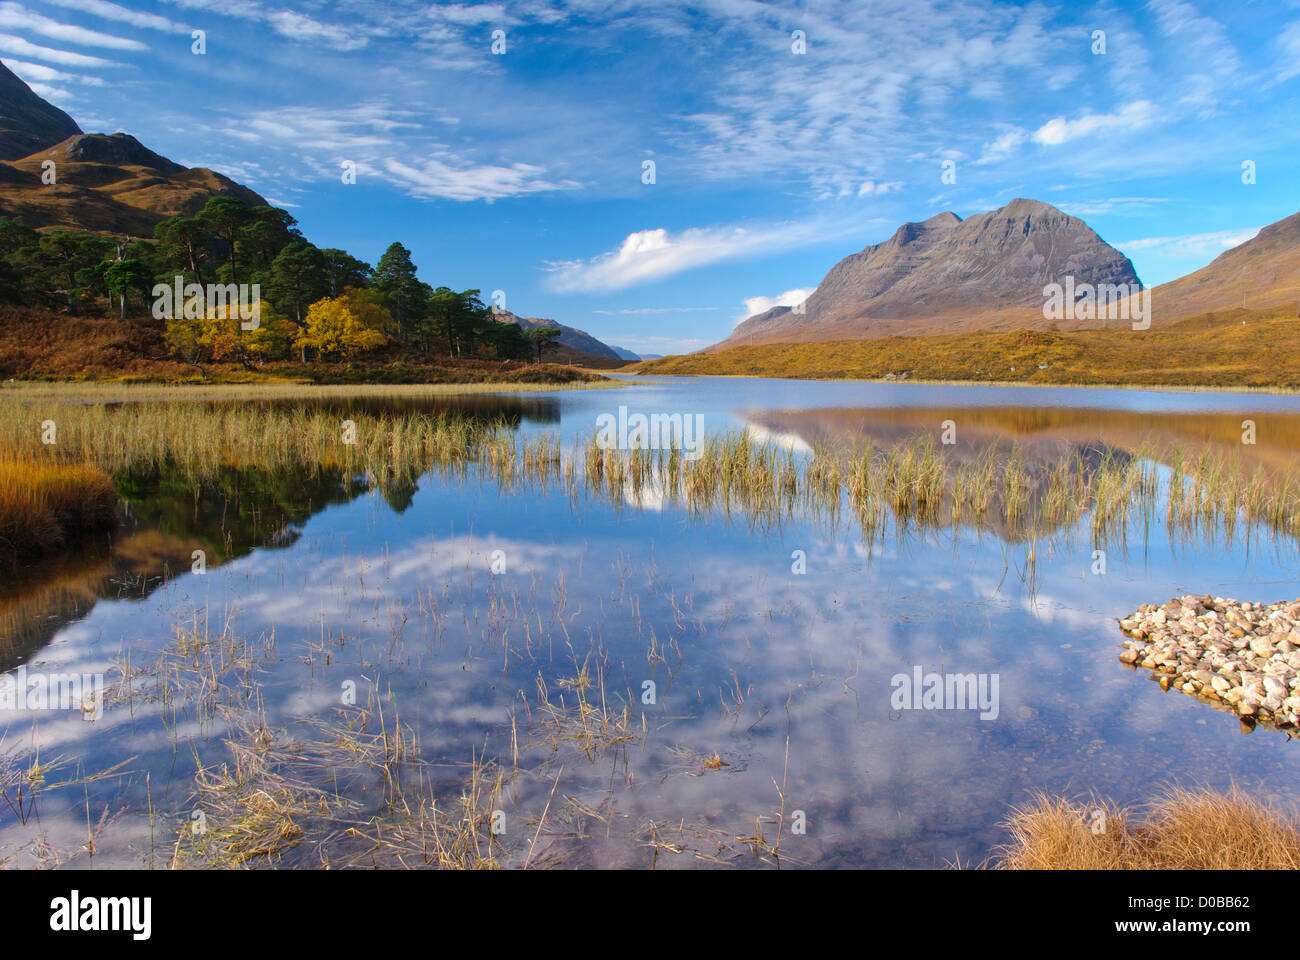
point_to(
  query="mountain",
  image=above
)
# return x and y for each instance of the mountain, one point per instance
(104, 183)
(570, 337)
(28, 123)
(626, 354)
(949, 275)
(1260, 274)
(110, 184)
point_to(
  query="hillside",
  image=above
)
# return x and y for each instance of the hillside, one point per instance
(40, 345)
(946, 275)
(581, 344)
(1215, 350)
(1260, 274)
(104, 183)
(109, 184)
(27, 122)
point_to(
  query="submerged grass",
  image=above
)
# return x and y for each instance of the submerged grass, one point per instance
(914, 482)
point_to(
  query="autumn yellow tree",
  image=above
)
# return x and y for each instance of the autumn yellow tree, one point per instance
(219, 334)
(347, 325)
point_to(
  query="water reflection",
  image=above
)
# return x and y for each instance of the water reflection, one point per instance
(455, 601)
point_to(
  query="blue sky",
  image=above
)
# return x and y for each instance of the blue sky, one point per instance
(522, 171)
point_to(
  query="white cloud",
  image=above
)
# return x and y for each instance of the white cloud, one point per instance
(870, 187)
(296, 26)
(1202, 44)
(1131, 117)
(1289, 43)
(1095, 208)
(756, 305)
(111, 11)
(16, 16)
(649, 255)
(472, 14)
(1199, 245)
(1002, 146)
(56, 95)
(25, 48)
(34, 73)
(435, 179)
(287, 23)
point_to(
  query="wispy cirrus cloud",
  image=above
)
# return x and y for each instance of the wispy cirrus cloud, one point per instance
(1196, 245)
(1288, 43)
(112, 11)
(1093, 208)
(437, 179)
(34, 73)
(291, 24)
(14, 16)
(20, 47)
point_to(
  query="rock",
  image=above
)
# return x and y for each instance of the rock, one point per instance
(1262, 646)
(1244, 654)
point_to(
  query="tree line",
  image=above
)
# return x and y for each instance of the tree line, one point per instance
(316, 303)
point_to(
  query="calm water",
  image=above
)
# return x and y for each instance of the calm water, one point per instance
(785, 676)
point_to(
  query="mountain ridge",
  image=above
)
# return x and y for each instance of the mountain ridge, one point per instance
(946, 274)
(28, 123)
(570, 337)
(103, 183)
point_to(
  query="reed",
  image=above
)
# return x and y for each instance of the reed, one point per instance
(912, 482)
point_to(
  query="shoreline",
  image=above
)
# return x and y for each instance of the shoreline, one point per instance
(101, 391)
(918, 381)
(1245, 655)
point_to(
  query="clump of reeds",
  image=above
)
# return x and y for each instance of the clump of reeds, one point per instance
(250, 812)
(1185, 830)
(580, 715)
(45, 507)
(914, 481)
(195, 677)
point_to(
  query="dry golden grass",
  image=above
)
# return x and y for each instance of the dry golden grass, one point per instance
(1184, 830)
(266, 390)
(1232, 349)
(48, 506)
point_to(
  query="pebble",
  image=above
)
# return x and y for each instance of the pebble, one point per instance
(1244, 654)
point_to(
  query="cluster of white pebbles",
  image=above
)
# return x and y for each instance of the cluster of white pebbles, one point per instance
(1243, 655)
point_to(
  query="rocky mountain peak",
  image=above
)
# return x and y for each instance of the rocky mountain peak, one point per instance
(945, 274)
(118, 149)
